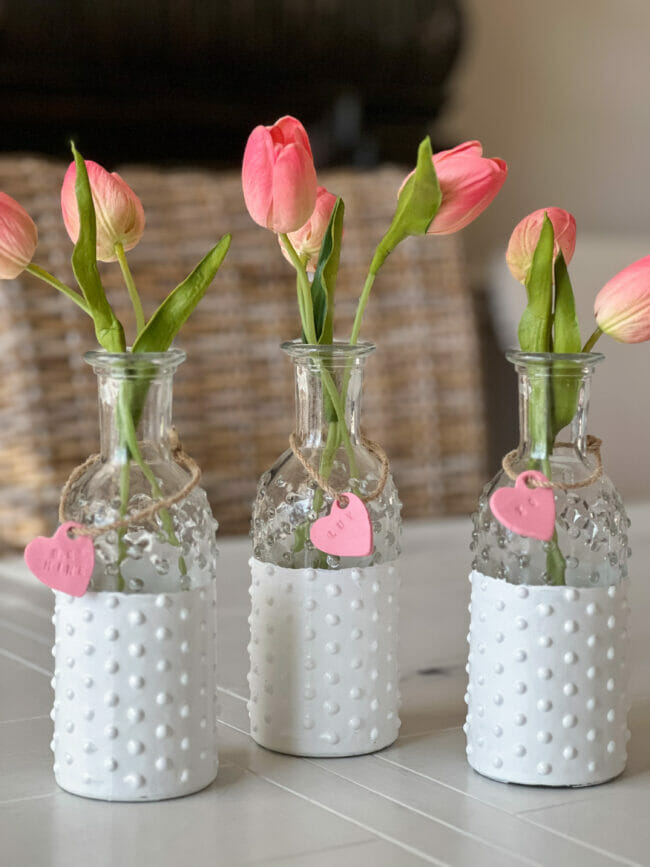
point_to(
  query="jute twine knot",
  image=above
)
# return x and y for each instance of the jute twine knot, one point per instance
(179, 456)
(374, 449)
(593, 448)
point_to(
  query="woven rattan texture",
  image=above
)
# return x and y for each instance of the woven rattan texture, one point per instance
(234, 395)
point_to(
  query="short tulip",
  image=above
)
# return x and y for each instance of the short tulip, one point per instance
(307, 241)
(622, 307)
(278, 176)
(469, 182)
(119, 212)
(525, 236)
(18, 238)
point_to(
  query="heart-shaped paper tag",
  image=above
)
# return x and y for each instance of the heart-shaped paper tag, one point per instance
(62, 562)
(524, 510)
(345, 532)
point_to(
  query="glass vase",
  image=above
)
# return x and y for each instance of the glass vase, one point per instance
(135, 656)
(324, 631)
(547, 699)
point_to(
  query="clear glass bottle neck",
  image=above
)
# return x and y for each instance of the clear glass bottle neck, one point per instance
(140, 405)
(321, 384)
(546, 399)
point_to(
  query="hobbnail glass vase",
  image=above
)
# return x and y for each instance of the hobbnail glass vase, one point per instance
(548, 642)
(135, 656)
(324, 629)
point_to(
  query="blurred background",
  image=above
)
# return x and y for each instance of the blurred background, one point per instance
(167, 93)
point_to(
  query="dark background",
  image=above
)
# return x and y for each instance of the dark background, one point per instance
(185, 81)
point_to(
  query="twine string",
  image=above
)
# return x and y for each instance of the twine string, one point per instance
(178, 455)
(593, 448)
(373, 447)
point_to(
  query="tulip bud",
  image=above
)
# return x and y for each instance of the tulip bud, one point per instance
(118, 211)
(622, 307)
(525, 236)
(18, 238)
(278, 176)
(468, 182)
(307, 241)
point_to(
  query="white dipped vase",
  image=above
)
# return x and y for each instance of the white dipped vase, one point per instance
(323, 659)
(547, 699)
(135, 704)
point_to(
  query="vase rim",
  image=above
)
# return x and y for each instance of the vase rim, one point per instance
(584, 359)
(164, 362)
(296, 349)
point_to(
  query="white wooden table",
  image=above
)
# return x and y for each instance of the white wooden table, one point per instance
(415, 803)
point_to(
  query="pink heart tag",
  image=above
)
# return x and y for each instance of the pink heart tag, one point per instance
(524, 510)
(345, 532)
(63, 563)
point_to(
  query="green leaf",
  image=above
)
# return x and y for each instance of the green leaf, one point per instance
(536, 323)
(164, 325)
(566, 331)
(566, 338)
(108, 329)
(323, 286)
(417, 205)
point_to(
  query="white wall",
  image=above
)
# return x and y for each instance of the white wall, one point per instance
(561, 91)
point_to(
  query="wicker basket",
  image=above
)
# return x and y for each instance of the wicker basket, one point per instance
(234, 395)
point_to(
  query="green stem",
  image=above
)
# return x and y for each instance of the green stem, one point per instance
(539, 420)
(44, 275)
(304, 289)
(592, 340)
(361, 306)
(125, 479)
(130, 285)
(125, 421)
(307, 316)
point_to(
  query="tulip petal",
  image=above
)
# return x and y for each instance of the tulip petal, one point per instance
(18, 238)
(257, 174)
(288, 130)
(622, 307)
(469, 184)
(294, 190)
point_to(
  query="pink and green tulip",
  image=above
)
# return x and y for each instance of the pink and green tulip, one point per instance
(119, 213)
(525, 237)
(18, 238)
(307, 240)
(622, 307)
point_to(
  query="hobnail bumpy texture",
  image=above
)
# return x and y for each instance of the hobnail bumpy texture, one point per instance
(284, 506)
(323, 652)
(150, 562)
(135, 703)
(592, 527)
(547, 699)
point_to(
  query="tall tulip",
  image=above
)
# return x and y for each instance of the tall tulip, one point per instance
(119, 212)
(18, 238)
(278, 176)
(525, 236)
(307, 240)
(469, 182)
(622, 307)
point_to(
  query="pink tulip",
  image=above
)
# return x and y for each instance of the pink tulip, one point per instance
(278, 176)
(307, 241)
(18, 238)
(468, 181)
(622, 307)
(525, 236)
(118, 211)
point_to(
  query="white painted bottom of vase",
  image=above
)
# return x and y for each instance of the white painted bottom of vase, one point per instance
(547, 698)
(323, 659)
(135, 704)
